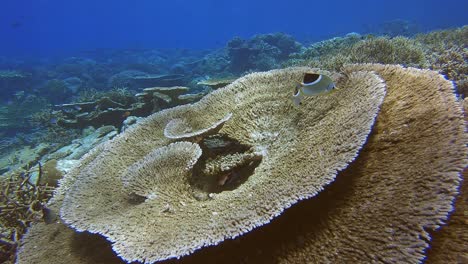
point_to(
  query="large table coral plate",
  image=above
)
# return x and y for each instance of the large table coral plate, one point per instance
(263, 156)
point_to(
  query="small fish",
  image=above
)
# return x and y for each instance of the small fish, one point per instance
(311, 85)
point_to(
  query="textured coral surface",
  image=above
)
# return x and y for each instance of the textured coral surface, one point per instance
(302, 149)
(382, 208)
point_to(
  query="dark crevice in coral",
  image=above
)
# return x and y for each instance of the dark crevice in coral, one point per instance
(220, 144)
(224, 166)
(236, 177)
(135, 199)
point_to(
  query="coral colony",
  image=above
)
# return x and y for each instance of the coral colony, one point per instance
(191, 156)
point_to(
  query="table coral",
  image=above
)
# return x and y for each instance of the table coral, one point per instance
(302, 149)
(380, 209)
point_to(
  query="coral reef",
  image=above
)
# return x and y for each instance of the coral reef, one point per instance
(179, 128)
(333, 54)
(262, 52)
(388, 51)
(158, 80)
(57, 91)
(12, 81)
(400, 168)
(447, 53)
(334, 225)
(89, 139)
(95, 108)
(104, 111)
(21, 203)
(20, 113)
(214, 62)
(450, 243)
(50, 174)
(137, 79)
(24, 157)
(158, 98)
(162, 174)
(265, 123)
(24, 192)
(121, 95)
(114, 106)
(124, 78)
(56, 238)
(394, 28)
(215, 83)
(444, 51)
(379, 209)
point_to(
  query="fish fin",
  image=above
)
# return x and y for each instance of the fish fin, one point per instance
(297, 99)
(332, 91)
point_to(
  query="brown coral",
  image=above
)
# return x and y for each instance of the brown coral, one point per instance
(403, 183)
(450, 243)
(302, 149)
(54, 242)
(21, 203)
(51, 175)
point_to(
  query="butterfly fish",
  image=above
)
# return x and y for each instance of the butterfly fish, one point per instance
(312, 84)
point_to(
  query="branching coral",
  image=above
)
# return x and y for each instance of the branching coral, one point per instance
(333, 54)
(388, 51)
(444, 51)
(21, 203)
(447, 53)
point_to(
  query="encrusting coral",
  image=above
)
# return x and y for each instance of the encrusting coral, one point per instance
(380, 209)
(302, 149)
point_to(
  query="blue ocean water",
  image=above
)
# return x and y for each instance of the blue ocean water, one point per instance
(57, 27)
